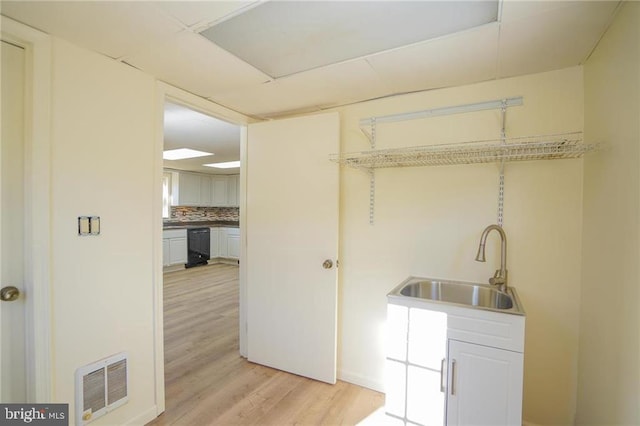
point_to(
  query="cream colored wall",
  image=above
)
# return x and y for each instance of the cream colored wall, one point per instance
(102, 158)
(609, 363)
(428, 223)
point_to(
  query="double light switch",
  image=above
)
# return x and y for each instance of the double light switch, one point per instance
(88, 225)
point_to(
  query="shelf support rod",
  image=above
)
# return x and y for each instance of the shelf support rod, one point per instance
(372, 195)
(503, 142)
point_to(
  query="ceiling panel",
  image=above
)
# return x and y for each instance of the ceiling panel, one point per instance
(114, 29)
(553, 39)
(282, 38)
(197, 13)
(462, 58)
(312, 90)
(193, 63)
(512, 10)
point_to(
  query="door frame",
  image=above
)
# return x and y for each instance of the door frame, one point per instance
(166, 92)
(37, 268)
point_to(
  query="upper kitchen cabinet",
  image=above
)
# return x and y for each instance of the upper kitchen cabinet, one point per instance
(200, 190)
(219, 191)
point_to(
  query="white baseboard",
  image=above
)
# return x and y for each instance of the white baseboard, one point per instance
(361, 381)
(144, 418)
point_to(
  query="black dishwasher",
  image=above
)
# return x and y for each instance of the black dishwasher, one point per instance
(198, 247)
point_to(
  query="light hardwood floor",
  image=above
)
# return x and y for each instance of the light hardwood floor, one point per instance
(207, 382)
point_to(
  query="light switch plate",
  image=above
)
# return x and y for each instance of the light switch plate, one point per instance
(83, 225)
(94, 225)
(88, 225)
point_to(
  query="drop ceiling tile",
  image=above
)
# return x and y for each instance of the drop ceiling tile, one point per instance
(312, 90)
(191, 62)
(196, 13)
(462, 58)
(283, 38)
(114, 29)
(512, 10)
(555, 39)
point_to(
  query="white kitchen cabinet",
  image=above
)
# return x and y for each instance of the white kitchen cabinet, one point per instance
(178, 251)
(174, 246)
(219, 191)
(190, 189)
(205, 190)
(233, 191)
(228, 243)
(233, 243)
(452, 365)
(222, 242)
(201, 190)
(214, 243)
(166, 256)
(485, 385)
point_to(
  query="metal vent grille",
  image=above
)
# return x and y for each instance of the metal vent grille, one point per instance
(101, 387)
(117, 378)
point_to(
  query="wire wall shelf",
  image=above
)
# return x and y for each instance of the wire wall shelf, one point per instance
(546, 147)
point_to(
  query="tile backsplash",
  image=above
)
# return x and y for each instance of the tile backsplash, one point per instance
(196, 214)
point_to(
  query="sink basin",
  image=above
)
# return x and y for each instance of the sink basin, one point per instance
(474, 295)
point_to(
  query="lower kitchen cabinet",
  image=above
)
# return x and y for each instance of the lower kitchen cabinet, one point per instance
(225, 243)
(449, 365)
(214, 243)
(174, 247)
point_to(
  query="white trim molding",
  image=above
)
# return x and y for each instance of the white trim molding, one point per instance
(37, 47)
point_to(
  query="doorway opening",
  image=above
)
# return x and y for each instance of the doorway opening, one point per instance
(201, 191)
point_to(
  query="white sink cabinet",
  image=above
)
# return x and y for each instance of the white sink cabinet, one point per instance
(452, 365)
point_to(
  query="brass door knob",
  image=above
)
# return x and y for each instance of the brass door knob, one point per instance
(9, 294)
(327, 264)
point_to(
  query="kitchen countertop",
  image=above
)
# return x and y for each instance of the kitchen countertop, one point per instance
(201, 224)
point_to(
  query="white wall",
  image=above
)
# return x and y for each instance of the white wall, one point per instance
(428, 223)
(609, 367)
(102, 163)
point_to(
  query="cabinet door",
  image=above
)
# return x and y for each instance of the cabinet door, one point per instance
(205, 191)
(219, 191)
(214, 251)
(233, 246)
(166, 255)
(485, 385)
(223, 249)
(426, 355)
(233, 190)
(178, 250)
(188, 189)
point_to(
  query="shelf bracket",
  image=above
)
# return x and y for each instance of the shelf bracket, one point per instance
(369, 130)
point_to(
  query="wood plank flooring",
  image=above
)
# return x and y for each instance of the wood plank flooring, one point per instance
(207, 382)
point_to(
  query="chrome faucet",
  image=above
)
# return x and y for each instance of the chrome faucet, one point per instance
(499, 279)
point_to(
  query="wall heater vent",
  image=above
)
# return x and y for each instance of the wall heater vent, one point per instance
(101, 387)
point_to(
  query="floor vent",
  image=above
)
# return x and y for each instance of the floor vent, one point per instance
(101, 387)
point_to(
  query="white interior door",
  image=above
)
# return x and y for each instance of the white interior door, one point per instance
(12, 313)
(292, 229)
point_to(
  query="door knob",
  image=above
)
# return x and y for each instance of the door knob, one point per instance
(9, 294)
(327, 264)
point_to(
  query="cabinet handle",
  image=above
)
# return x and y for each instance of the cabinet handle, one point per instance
(443, 383)
(453, 377)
